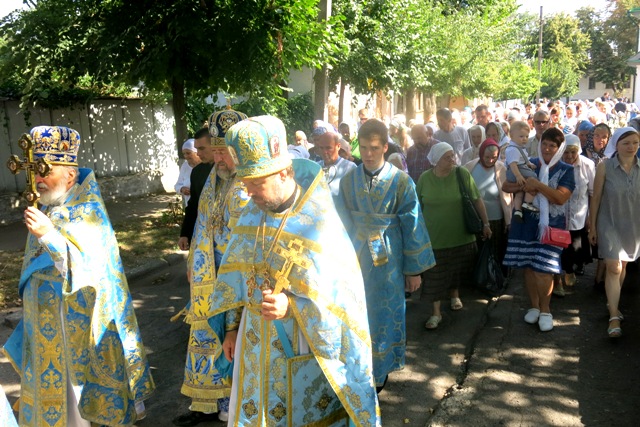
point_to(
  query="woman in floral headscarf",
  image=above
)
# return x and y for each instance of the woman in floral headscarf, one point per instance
(597, 140)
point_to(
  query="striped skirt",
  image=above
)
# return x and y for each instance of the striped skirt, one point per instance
(524, 250)
(454, 267)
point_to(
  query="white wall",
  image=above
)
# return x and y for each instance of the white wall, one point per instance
(586, 93)
(117, 138)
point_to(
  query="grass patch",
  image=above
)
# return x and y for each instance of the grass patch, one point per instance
(10, 266)
(140, 240)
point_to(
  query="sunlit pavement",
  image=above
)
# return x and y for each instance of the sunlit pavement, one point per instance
(483, 366)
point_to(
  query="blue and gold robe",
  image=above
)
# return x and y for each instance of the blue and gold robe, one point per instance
(327, 379)
(389, 235)
(74, 273)
(207, 375)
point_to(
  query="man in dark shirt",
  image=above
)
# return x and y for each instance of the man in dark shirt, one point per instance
(199, 176)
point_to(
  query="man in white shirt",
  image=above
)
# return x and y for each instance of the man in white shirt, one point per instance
(191, 160)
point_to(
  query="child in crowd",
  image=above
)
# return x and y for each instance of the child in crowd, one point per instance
(520, 168)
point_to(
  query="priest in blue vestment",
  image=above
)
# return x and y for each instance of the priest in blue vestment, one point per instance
(293, 295)
(379, 206)
(78, 347)
(207, 374)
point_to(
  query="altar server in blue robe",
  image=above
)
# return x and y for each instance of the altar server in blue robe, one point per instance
(380, 208)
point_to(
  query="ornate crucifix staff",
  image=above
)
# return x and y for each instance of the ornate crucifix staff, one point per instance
(31, 167)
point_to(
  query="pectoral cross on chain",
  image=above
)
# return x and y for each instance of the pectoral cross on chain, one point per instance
(31, 167)
(292, 256)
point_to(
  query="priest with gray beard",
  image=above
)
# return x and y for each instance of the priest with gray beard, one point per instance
(78, 348)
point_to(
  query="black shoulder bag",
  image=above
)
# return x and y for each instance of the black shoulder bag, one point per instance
(472, 220)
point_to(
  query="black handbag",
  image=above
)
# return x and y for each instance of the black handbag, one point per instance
(487, 275)
(472, 220)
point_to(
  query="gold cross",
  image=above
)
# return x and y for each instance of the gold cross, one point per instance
(41, 166)
(292, 257)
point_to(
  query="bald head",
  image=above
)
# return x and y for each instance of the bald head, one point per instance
(419, 135)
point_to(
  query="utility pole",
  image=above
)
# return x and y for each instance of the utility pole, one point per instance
(321, 90)
(540, 56)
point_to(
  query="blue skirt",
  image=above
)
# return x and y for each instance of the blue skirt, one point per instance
(524, 250)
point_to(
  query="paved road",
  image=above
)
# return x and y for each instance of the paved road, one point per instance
(483, 367)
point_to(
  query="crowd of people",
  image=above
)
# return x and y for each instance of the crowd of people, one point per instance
(302, 255)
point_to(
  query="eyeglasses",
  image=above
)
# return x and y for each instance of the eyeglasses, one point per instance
(363, 119)
(541, 122)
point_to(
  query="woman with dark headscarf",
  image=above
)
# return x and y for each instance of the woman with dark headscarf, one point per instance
(597, 140)
(489, 174)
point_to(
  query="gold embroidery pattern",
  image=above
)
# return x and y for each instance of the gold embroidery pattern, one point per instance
(278, 412)
(324, 402)
(250, 409)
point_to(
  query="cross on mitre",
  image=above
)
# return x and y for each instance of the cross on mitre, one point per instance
(292, 255)
(31, 167)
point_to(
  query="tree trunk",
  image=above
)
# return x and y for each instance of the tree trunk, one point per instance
(443, 101)
(321, 89)
(179, 105)
(341, 103)
(429, 106)
(410, 110)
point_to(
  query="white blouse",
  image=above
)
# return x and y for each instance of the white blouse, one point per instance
(585, 171)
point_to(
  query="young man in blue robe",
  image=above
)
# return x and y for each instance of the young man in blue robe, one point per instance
(293, 295)
(78, 347)
(379, 206)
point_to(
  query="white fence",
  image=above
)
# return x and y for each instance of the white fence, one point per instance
(118, 137)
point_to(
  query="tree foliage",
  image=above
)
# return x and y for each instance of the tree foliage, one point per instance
(444, 47)
(613, 41)
(564, 52)
(173, 46)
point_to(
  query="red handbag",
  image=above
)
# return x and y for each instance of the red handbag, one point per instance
(556, 237)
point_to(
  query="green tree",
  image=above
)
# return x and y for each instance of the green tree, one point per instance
(613, 41)
(438, 46)
(565, 54)
(172, 46)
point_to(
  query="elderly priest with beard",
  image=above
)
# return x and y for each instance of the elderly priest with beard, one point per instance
(78, 347)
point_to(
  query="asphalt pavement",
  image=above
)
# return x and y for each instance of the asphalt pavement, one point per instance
(483, 366)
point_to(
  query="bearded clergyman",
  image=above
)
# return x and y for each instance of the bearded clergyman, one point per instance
(78, 348)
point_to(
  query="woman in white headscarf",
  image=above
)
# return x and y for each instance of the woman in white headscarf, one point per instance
(453, 246)
(525, 249)
(579, 251)
(477, 137)
(614, 211)
(191, 160)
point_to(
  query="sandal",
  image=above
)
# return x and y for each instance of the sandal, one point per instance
(615, 332)
(433, 322)
(456, 304)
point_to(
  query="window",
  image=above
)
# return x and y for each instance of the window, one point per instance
(627, 83)
(592, 82)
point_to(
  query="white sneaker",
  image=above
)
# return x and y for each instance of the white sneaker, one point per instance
(223, 416)
(532, 316)
(545, 322)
